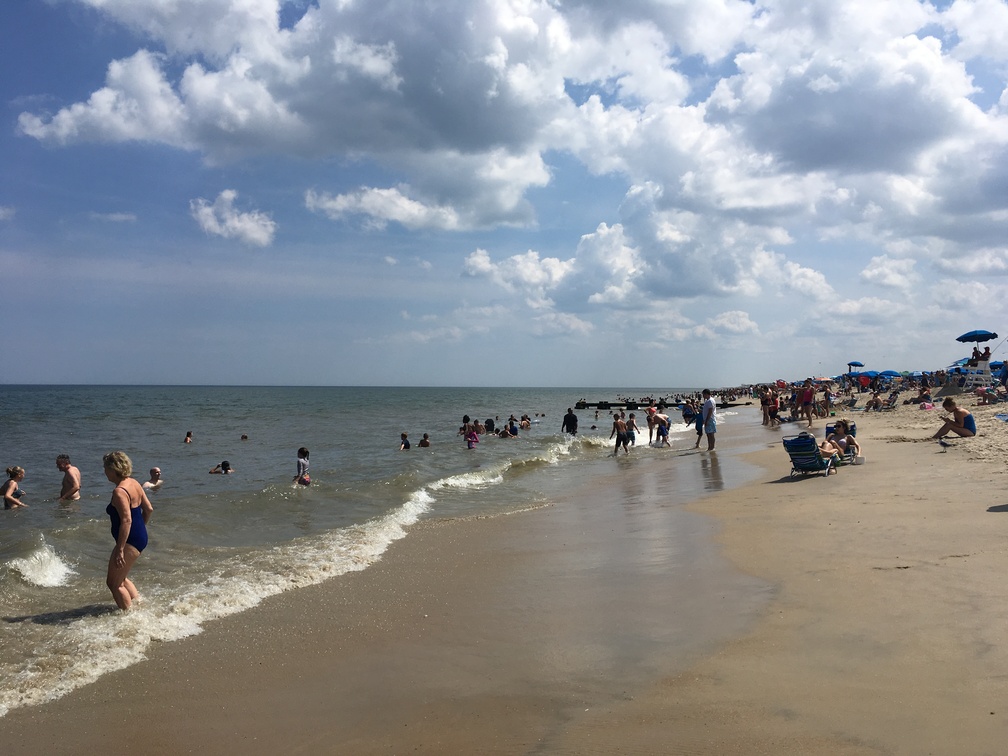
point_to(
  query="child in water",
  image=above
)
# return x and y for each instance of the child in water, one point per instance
(302, 478)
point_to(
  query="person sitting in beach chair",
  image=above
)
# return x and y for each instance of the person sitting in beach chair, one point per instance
(842, 437)
(891, 402)
(808, 456)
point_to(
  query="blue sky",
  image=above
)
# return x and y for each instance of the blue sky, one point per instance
(499, 192)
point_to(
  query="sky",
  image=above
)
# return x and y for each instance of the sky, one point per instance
(649, 193)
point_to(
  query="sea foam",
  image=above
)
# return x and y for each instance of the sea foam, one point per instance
(43, 567)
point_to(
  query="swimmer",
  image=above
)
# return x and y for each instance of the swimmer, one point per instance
(154, 484)
(70, 490)
(224, 468)
(11, 491)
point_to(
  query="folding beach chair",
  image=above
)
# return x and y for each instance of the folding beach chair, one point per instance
(806, 458)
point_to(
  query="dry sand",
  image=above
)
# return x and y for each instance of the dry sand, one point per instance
(867, 615)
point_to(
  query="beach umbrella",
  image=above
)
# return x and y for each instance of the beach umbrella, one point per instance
(870, 373)
(890, 374)
(976, 336)
(853, 364)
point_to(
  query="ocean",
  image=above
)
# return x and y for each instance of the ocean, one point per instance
(220, 544)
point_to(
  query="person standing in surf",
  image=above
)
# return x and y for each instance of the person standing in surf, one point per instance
(129, 512)
(11, 491)
(302, 478)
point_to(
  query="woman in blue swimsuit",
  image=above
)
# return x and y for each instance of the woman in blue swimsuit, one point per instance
(129, 512)
(961, 423)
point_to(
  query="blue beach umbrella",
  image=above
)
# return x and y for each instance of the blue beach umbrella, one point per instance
(854, 364)
(890, 374)
(976, 336)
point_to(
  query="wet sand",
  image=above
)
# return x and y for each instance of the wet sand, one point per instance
(860, 613)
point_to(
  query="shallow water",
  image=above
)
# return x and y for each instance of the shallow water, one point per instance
(220, 544)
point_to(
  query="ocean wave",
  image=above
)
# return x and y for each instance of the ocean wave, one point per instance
(88, 647)
(43, 567)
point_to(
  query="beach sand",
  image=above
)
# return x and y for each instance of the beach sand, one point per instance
(860, 613)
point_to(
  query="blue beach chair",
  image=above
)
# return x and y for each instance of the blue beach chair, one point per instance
(806, 458)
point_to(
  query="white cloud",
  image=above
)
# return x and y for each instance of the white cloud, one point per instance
(380, 206)
(7, 213)
(376, 62)
(778, 162)
(221, 218)
(137, 104)
(885, 271)
(734, 321)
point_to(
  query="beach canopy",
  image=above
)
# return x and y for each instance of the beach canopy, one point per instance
(976, 336)
(854, 364)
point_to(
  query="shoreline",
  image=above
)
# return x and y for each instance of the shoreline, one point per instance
(516, 634)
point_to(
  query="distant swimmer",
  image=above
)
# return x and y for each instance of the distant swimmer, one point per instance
(224, 468)
(404, 442)
(154, 484)
(129, 512)
(570, 422)
(11, 490)
(302, 478)
(188, 438)
(70, 490)
(425, 441)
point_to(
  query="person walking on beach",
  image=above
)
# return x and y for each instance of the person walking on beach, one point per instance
(70, 490)
(302, 478)
(709, 415)
(129, 512)
(806, 399)
(11, 491)
(570, 423)
(619, 430)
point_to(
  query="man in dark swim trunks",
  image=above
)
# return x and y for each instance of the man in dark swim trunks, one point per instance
(570, 423)
(619, 430)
